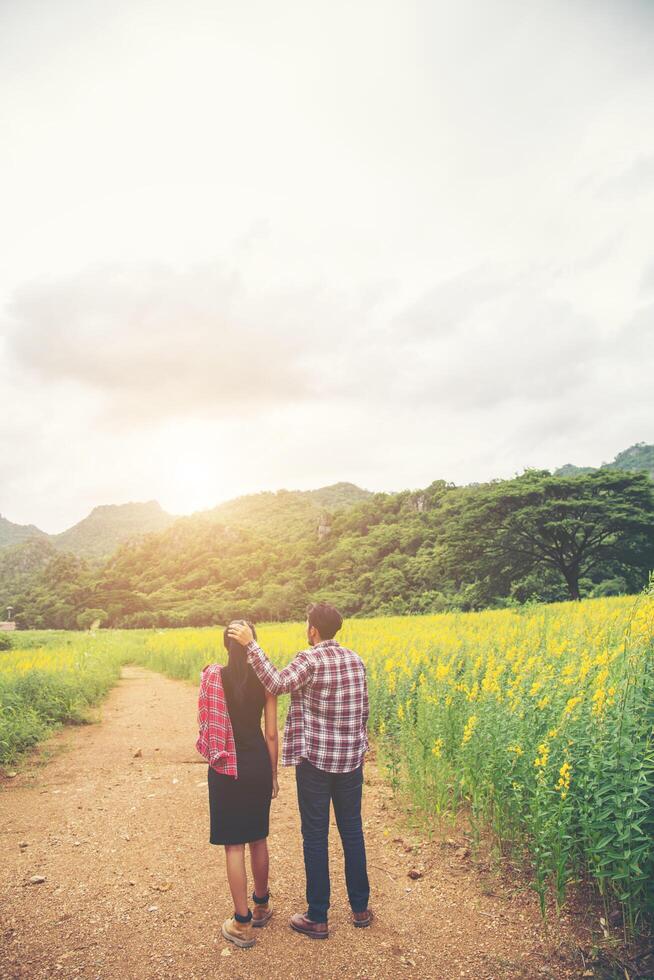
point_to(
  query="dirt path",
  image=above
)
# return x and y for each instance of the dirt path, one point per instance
(133, 889)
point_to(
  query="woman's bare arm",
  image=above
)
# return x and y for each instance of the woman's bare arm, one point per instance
(272, 738)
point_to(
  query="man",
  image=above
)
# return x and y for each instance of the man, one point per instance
(325, 739)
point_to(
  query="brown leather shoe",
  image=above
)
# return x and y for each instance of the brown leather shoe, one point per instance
(362, 919)
(261, 914)
(239, 933)
(316, 930)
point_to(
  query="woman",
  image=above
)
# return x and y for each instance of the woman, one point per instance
(240, 807)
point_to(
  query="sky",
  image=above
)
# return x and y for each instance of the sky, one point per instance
(247, 246)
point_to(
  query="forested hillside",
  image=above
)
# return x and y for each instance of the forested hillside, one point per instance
(96, 536)
(285, 511)
(158, 577)
(637, 459)
(535, 537)
(107, 526)
(11, 534)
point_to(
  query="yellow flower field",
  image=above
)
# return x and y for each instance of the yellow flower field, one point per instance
(535, 722)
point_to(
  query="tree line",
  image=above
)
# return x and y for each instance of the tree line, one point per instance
(537, 537)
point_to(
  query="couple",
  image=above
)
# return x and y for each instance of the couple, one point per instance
(325, 739)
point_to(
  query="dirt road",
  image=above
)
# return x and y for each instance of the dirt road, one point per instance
(133, 889)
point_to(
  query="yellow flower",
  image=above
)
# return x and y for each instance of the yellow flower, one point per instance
(599, 698)
(563, 785)
(572, 704)
(471, 724)
(437, 748)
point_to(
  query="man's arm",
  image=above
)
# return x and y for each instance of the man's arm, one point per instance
(291, 678)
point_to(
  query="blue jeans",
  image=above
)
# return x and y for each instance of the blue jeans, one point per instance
(315, 790)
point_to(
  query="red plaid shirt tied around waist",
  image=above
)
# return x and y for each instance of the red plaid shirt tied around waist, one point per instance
(216, 739)
(328, 715)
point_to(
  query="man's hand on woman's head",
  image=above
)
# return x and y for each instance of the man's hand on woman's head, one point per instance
(240, 632)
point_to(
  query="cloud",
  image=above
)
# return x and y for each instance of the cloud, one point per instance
(647, 279)
(402, 246)
(153, 343)
(634, 343)
(156, 342)
(478, 341)
(634, 180)
(449, 304)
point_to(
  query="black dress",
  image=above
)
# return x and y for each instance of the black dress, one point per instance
(239, 809)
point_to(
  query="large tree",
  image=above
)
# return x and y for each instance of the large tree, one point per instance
(502, 531)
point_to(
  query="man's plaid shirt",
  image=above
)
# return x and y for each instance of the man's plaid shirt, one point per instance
(328, 715)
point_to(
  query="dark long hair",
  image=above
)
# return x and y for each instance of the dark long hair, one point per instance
(237, 664)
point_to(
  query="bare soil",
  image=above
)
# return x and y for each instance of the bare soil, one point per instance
(133, 888)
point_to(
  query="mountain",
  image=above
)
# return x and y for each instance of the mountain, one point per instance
(96, 536)
(256, 554)
(266, 555)
(108, 526)
(11, 534)
(285, 511)
(569, 469)
(288, 514)
(220, 555)
(639, 458)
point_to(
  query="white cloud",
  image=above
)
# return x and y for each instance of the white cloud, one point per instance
(157, 343)
(251, 247)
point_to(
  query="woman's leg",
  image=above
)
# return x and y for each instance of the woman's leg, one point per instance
(259, 862)
(236, 876)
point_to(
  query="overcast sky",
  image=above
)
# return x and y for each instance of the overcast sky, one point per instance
(248, 245)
